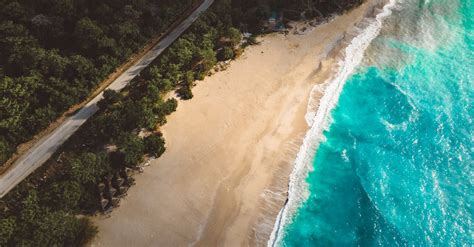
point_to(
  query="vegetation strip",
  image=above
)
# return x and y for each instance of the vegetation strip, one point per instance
(21, 148)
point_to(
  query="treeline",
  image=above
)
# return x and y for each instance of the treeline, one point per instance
(317, 8)
(92, 170)
(251, 15)
(53, 53)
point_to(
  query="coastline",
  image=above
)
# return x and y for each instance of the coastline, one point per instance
(223, 178)
(319, 118)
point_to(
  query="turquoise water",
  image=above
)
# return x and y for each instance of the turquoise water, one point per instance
(396, 167)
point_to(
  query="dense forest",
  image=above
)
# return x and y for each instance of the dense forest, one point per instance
(53, 53)
(92, 171)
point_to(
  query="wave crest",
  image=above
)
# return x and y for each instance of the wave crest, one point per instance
(320, 120)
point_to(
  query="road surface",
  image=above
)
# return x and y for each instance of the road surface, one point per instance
(46, 146)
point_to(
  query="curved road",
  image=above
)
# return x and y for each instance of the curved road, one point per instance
(46, 146)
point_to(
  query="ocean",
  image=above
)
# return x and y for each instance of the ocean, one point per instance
(389, 158)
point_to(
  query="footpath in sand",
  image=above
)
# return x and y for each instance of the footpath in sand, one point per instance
(230, 149)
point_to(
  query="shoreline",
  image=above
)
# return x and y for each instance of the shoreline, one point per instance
(319, 118)
(244, 128)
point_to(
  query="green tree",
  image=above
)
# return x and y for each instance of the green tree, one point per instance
(55, 228)
(30, 207)
(86, 232)
(103, 127)
(110, 97)
(226, 54)
(189, 78)
(169, 106)
(7, 227)
(88, 167)
(174, 72)
(131, 147)
(165, 85)
(208, 59)
(40, 118)
(128, 35)
(16, 38)
(185, 92)
(14, 11)
(137, 114)
(52, 64)
(63, 7)
(234, 35)
(5, 150)
(156, 78)
(64, 195)
(88, 34)
(182, 51)
(80, 69)
(155, 145)
(15, 95)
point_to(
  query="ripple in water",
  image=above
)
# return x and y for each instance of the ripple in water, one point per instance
(396, 164)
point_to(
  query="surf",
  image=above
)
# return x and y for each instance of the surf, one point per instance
(320, 120)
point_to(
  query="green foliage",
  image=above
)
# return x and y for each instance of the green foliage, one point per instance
(137, 114)
(234, 35)
(88, 167)
(155, 145)
(131, 147)
(86, 231)
(39, 224)
(185, 92)
(182, 52)
(153, 74)
(53, 53)
(89, 35)
(64, 195)
(15, 96)
(226, 54)
(7, 227)
(50, 228)
(170, 106)
(208, 58)
(30, 206)
(252, 40)
(110, 97)
(5, 150)
(189, 78)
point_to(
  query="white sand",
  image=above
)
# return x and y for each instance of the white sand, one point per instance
(230, 149)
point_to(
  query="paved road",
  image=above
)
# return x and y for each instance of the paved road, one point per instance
(46, 146)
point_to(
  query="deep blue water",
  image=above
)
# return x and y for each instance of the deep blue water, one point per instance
(396, 167)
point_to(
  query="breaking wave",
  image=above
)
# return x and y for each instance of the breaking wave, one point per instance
(320, 120)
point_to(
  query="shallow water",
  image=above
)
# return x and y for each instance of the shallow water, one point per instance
(396, 163)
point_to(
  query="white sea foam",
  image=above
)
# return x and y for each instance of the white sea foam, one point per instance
(320, 120)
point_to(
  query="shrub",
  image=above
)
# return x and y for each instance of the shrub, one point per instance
(109, 97)
(185, 92)
(131, 147)
(226, 54)
(155, 145)
(170, 106)
(7, 227)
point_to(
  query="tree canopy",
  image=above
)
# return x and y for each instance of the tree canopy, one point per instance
(53, 53)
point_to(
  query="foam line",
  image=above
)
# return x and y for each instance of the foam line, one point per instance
(320, 120)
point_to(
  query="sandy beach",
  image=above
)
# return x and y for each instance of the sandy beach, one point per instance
(230, 149)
